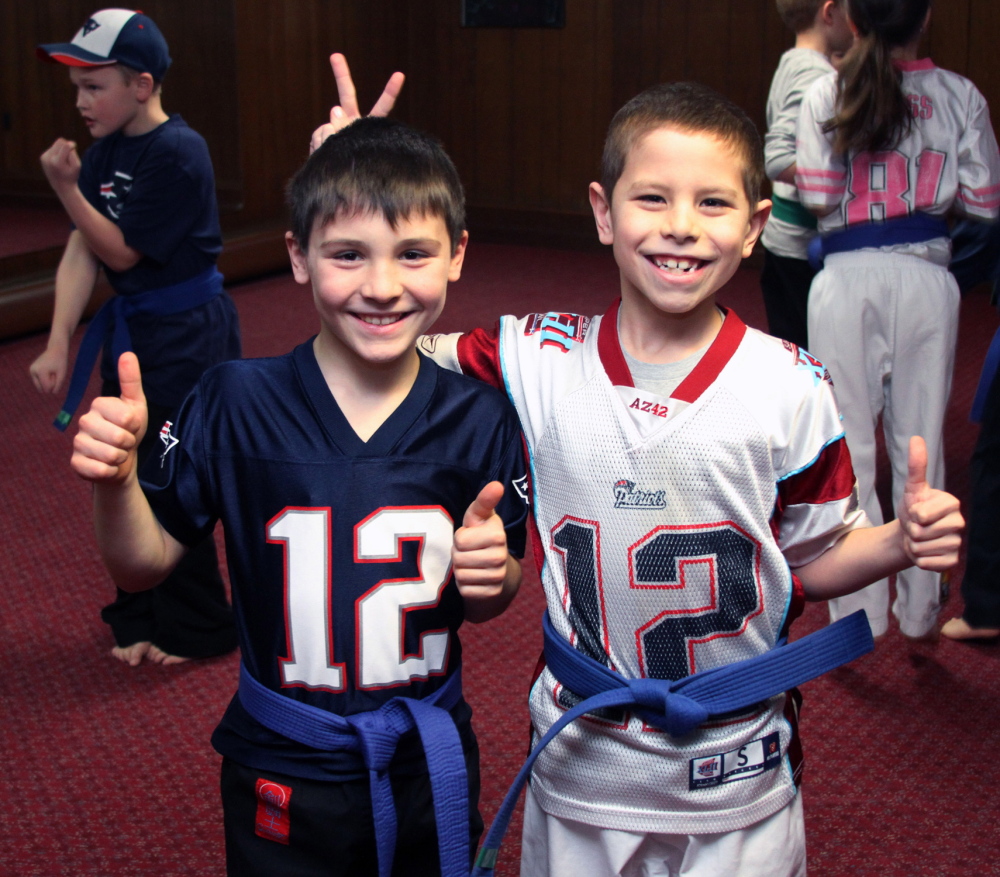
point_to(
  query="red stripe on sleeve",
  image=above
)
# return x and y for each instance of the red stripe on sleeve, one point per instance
(829, 479)
(479, 355)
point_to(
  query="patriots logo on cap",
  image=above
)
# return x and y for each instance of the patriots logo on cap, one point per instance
(89, 26)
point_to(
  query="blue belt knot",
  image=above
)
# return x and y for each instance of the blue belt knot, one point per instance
(680, 706)
(670, 711)
(378, 733)
(374, 735)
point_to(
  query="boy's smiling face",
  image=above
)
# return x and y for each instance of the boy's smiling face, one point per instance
(377, 288)
(679, 220)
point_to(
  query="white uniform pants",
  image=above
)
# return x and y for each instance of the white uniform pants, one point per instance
(885, 325)
(554, 847)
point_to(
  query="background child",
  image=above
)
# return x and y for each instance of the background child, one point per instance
(887, 148)
(143, 207)
(821, 30)
(691, 486)
(338, 471)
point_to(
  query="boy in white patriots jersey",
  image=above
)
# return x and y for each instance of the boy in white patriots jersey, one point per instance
(691, 487)
(683, 466)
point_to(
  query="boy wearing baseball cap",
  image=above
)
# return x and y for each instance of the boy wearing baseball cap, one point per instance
(142, 203)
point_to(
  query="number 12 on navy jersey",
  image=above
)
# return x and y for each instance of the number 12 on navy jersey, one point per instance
(380, 611)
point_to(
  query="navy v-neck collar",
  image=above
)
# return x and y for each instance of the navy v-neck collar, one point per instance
(719, 352)
(336, 424)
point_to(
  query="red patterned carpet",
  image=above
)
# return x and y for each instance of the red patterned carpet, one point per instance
(109, 771)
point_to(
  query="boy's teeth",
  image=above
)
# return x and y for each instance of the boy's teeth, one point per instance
(676, 264)
(380, 320)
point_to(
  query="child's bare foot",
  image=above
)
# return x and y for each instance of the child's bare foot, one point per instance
(158, 656)
(959, 628)
(133, 654)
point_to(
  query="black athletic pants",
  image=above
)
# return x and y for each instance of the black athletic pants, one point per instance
(328, 826)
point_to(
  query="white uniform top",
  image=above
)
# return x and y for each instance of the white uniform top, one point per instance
(797, 70)
(666, 524)
(948, 159)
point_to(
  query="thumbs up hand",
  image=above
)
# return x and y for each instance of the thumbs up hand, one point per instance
(486, 575)
(104, 448)
(930, 519)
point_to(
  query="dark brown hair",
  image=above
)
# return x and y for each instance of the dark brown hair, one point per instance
(377, 166)
(690, 107)
(872, 113)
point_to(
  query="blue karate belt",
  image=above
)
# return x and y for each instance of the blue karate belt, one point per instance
(374, 735)
(913, 229)
(680, 707)
(192, 293)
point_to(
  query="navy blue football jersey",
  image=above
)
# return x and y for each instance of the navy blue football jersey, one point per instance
(339, 550)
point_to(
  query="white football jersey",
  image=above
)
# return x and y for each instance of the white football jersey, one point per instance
(666, 524)
(948, 158)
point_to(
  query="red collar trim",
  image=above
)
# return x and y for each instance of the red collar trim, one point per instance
(701, 378)
(911, 66)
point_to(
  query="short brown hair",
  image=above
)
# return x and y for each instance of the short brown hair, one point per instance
(690, 107)
(799, 15)
(378, 166)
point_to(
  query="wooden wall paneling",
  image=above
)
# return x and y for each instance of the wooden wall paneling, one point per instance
(984, 61)
(534, 135)
(38, 100)
(748, 80)
(947, 42)
(491, 175)
(275, 84)
(582, 101)
(706, 44)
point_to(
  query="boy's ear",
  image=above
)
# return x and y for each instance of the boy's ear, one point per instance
(758, 219)
(458, 258)
(602, 213)
(300, 264)
(144, 87)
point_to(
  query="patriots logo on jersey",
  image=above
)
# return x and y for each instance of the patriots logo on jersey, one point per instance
(89, 27)
(558, 330)
(628, 496)
(169, 440)
(521, 486)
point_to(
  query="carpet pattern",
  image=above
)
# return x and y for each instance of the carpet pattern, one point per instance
(109, 770)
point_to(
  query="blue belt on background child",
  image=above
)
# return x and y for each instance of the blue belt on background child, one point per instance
(914, 229)
(199, 290)
(680, 707)
(374, 735)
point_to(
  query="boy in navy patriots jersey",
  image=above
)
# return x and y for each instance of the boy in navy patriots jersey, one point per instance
(340, 472)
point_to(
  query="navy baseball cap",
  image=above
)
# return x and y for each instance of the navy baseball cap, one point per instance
(114, 36)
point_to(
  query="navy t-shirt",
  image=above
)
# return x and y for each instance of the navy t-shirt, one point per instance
(159, 189)
(339, 550)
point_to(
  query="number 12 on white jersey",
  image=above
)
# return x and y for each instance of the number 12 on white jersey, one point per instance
(380, 612)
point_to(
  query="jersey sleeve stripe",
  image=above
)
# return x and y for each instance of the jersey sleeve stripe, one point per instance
(479, 356)
(829, 478)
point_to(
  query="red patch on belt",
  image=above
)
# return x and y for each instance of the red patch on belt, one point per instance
(272, 822)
